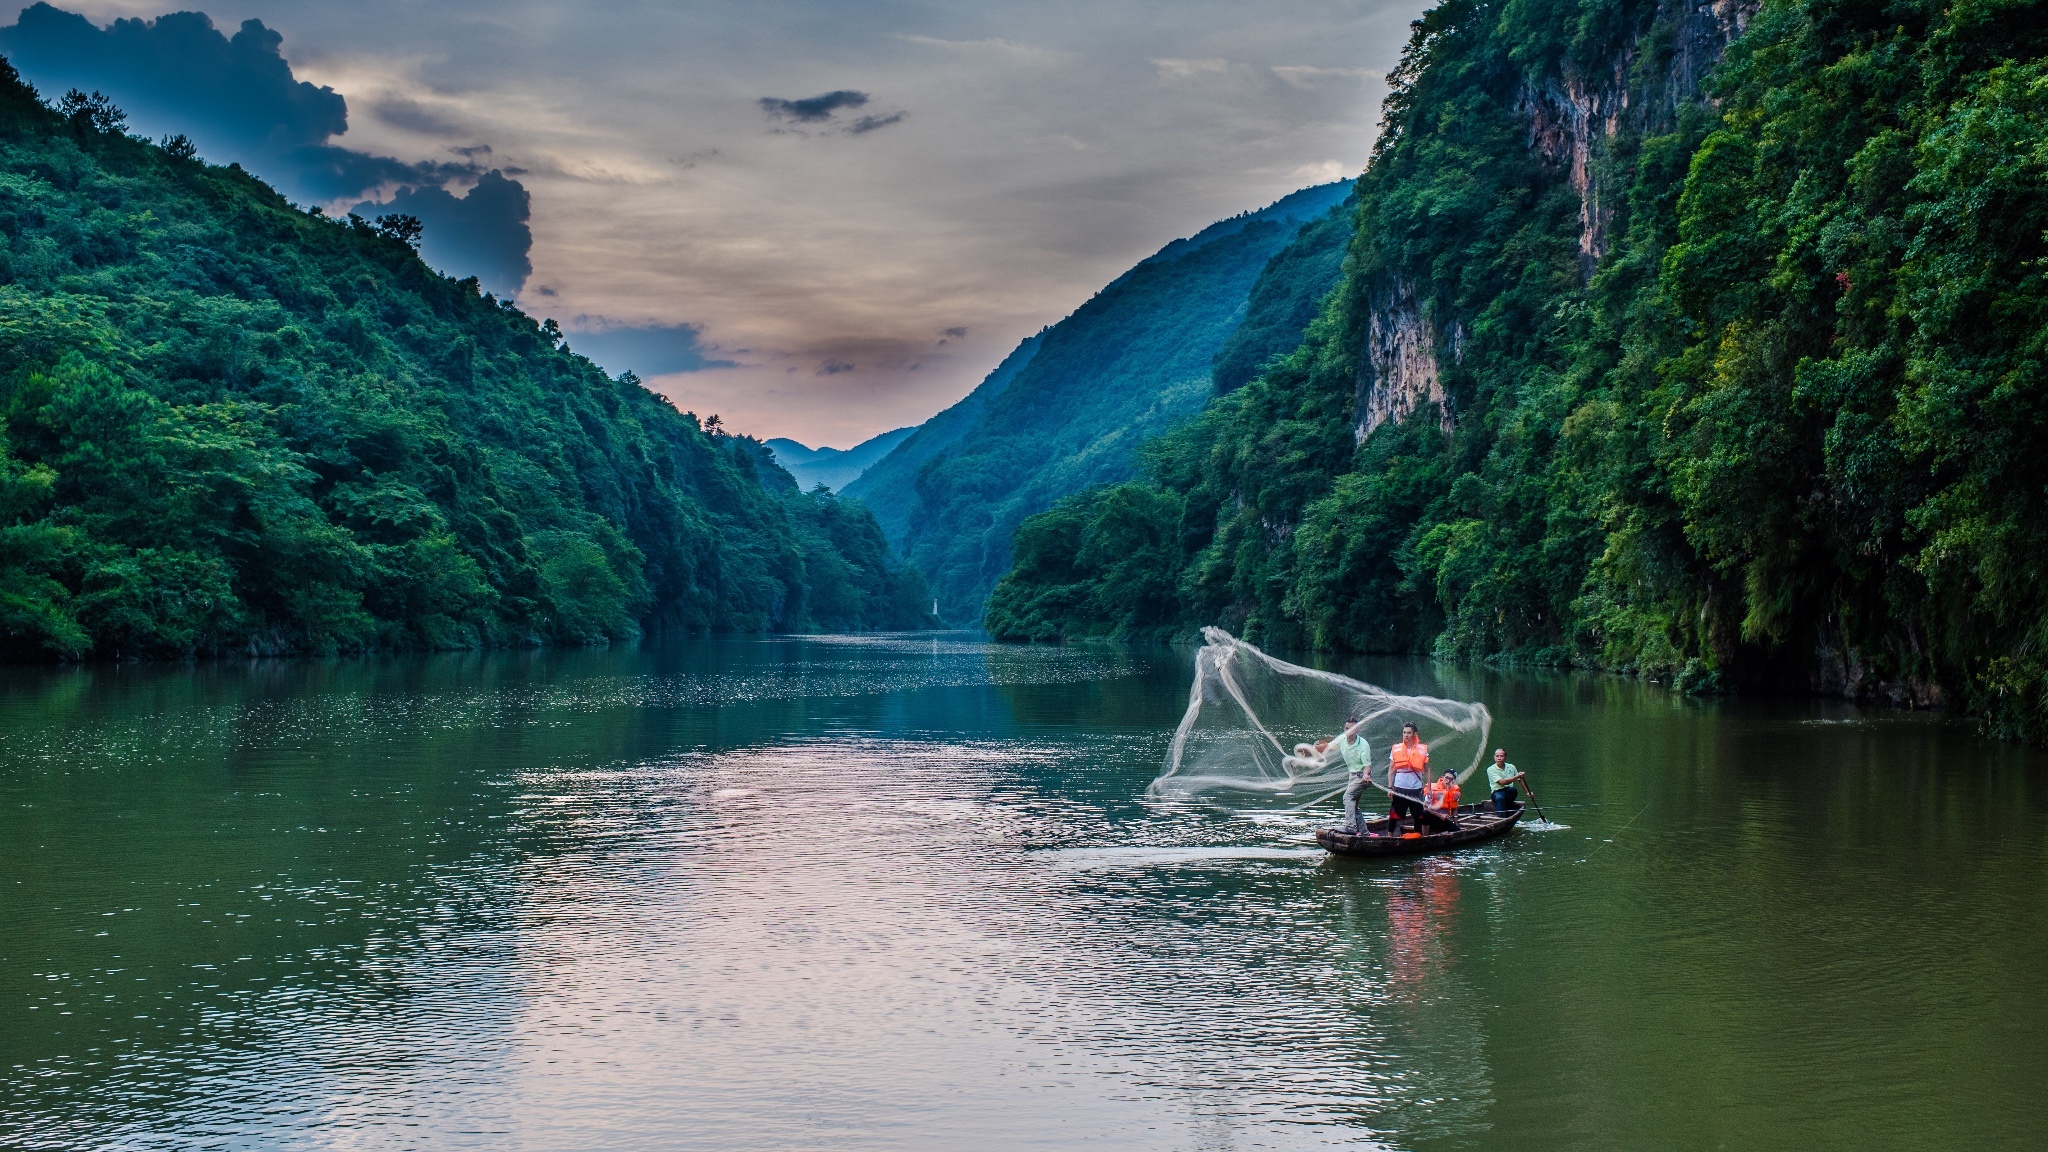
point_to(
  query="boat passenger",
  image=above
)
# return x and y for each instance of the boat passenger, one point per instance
(1408, 772)
(1501, 777)
(1357, 756)
(1442, 796)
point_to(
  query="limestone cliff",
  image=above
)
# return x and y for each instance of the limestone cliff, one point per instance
(1573, 114)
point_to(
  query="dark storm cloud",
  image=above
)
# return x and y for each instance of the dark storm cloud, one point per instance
(819, 110)
(238, 100)
(652, 350)
(483, 232)
(239, 92)
(813, 109)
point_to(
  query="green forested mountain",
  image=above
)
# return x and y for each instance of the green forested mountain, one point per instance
(1701, 342)
(1129, 363)
(1287, 295)
(230, 425)
(889, 485)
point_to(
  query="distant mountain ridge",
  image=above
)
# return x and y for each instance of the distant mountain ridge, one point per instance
(1067, 409)
(833, 467)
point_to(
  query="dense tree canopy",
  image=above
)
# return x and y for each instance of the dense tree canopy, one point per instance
(1782, 426)
(230, 425)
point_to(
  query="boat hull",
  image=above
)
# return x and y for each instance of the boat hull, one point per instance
(1477, 824)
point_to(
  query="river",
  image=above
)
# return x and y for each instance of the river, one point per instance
(902, 892)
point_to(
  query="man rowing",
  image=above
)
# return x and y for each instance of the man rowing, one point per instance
(1502, 777)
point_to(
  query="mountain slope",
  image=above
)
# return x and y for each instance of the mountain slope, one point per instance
(833, 467)
(1129, 363)
(233, 426)
(1715, 370)
(889, 486)
(1289, 292)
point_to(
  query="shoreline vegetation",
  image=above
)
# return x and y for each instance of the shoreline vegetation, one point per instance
(229, 426)
(1697, 343)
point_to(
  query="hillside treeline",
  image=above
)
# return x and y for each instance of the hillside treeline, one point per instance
(1748, 389)
(229, 425)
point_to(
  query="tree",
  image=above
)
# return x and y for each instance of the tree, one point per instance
(403, 228)
(95, 112)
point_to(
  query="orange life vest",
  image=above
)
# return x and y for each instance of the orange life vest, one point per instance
(1440, 796)
(1411, 759)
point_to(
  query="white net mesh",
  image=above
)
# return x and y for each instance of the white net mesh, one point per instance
(1248, 713)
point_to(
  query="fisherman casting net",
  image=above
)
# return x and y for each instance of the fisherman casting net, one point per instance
(1247, 712)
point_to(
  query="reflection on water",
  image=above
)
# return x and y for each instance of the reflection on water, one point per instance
(900, 892)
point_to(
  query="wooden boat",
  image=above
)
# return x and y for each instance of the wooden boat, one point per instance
(1477, 823)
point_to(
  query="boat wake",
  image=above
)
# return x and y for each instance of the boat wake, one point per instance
(1093, 858)
(1544, 826)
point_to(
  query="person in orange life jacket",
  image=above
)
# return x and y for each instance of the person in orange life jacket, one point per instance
(1408, 772)
(1442, 796)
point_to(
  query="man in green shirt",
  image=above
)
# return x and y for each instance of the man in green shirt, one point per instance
(1357, 757)
(1501, 776)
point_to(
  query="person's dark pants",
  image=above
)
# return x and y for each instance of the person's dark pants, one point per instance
(1405, 804)
(1503, 799)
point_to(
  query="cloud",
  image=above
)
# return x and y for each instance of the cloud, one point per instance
(1322, 172)
(834, 367)
(870, 123)
(1190, 69)
(646, 350)
(819, 109)
(239, 100)
(989, 44)
(813, 109)
(411, 115)
(239, 91)
(1308, 76)
(482, 232)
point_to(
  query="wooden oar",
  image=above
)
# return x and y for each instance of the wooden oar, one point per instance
(1532, 799)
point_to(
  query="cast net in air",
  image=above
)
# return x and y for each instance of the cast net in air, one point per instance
(1247, 712)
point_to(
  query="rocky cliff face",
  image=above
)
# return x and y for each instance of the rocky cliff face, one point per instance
(1398, 372)
(1641, 86)
(1572, 116)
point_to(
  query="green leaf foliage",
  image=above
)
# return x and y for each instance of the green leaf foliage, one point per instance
(227, 425)
(1748, 389)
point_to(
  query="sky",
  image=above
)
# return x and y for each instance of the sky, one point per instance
(819, 220)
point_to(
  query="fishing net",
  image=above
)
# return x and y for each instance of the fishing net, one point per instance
(1247, 712)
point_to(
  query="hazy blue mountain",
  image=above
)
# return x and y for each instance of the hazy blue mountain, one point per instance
(1067, 410)
(833, 467)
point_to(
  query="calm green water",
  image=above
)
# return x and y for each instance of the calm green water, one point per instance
(869, 893)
